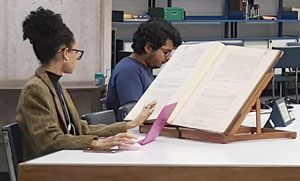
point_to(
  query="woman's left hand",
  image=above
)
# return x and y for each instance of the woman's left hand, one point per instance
(143, 116)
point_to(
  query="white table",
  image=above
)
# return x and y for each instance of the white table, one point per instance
(177, 159)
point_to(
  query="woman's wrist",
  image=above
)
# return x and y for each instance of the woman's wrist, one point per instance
(95, 144)
(131, 124)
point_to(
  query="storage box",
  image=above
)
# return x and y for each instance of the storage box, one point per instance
(117, 16)
(170, 13)
(290, 15)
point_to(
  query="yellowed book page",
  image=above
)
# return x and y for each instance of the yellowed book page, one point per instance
(225, 89)
(177, 76)
(189, 86)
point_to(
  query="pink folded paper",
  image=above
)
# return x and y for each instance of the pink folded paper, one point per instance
(159, 123)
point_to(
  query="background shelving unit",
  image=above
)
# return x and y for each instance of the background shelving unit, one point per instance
(209, 20)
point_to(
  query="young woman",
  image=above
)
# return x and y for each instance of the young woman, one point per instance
(47, 117)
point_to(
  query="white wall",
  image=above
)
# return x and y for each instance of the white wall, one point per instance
(90, 21)
(17, 59)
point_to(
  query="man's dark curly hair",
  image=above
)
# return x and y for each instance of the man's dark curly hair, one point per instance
(47, 33)
(155, 31)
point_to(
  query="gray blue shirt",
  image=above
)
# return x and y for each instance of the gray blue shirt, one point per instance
(128, 82)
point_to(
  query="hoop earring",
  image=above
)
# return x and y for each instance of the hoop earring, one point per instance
(66, 59)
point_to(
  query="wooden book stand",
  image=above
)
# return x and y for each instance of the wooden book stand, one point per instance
(235, 131)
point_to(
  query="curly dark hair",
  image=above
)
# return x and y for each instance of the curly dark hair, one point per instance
(47, 33)
(155, 31)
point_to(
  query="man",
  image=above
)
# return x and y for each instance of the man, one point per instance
(152, 45)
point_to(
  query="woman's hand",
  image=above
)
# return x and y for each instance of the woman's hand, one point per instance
(125, 138)
(118, 139)
(142, 117)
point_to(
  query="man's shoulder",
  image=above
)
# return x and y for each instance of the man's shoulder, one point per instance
(128, 61)
(128, 64)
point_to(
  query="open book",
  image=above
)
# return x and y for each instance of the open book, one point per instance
(211, 83)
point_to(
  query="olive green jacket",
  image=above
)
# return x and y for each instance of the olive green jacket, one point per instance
(42, 122)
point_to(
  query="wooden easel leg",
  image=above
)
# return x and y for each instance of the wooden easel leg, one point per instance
(258, 118)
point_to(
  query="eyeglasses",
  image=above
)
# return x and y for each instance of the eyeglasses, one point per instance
(79, 53)
(168, 53)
